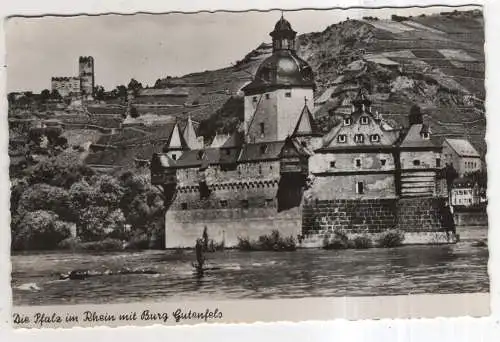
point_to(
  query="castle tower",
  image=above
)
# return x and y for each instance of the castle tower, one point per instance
(86, 74)
(274, 100)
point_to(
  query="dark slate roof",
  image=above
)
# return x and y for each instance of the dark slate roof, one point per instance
(463, 147)
(283, 68)
(413, 138)
(261, 151)
(306, 125)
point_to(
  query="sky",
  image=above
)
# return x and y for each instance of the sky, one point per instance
(151, 46)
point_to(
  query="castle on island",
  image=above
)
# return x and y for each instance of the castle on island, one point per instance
(278, 172)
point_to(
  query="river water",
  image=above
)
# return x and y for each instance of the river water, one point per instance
(434, 269)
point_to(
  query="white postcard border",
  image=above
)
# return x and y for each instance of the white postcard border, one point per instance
(453, 329)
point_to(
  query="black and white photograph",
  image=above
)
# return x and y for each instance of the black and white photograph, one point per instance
(255, 155)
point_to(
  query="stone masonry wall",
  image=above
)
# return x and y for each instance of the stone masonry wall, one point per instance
(413, 215)
(356, 216)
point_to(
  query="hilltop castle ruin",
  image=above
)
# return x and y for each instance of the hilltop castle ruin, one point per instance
(77, 86)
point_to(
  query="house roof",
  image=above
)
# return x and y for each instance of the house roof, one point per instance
(463, 182)
(219, 140)
(463, 147)
(261, 151)
(413, 138)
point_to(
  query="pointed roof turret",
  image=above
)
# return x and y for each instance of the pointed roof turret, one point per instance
(190, 137)
(306, 124)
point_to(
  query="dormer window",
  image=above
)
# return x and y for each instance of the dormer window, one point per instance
(347, 121)
(288, 94)
(374, 138)
(263, 149)
(359, 138)
(425, 135)
(342, 138)
(364, 120)
(267, 96)
(332, 164)
(358, 163)
(262, 129)
(416, 162)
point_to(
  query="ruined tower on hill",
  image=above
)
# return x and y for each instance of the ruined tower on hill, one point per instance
(86, 74)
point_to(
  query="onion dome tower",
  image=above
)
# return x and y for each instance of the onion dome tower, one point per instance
(274, 99)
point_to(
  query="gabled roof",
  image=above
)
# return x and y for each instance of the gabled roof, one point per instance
(219, 140)
(306, 124)
(297, 148)
(261, 151)
(236, 140)
(463, 147)
(413, 138)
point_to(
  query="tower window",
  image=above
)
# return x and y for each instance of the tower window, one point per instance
(359, 138)
(347, 121)
(374, 138)
(174, 156)
(223, 203)
(438, 162)
(332, 163)
(358, 162)
(267, 96)
(254, 99)
(269, 202)
(360, 188)
(382, 162)
(416, 162)
(364, 120)
(425, 135)
(262, 127)
(288, 94)
(244, 204)
(342, 138)
(263, 149)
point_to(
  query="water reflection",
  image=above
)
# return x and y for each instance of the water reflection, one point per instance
(411, 269)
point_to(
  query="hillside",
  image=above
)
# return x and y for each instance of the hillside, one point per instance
(434, 61)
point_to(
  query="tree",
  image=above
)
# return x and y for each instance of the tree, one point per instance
(55, 95)
(46, 197)
(158, 83)
(121, 91)
(11, 98)
(39, 229)
(99, 92)
(134, 86)
(44, 95)
(479, 177)
(450, 174)
(134, 112)
(57, 172)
